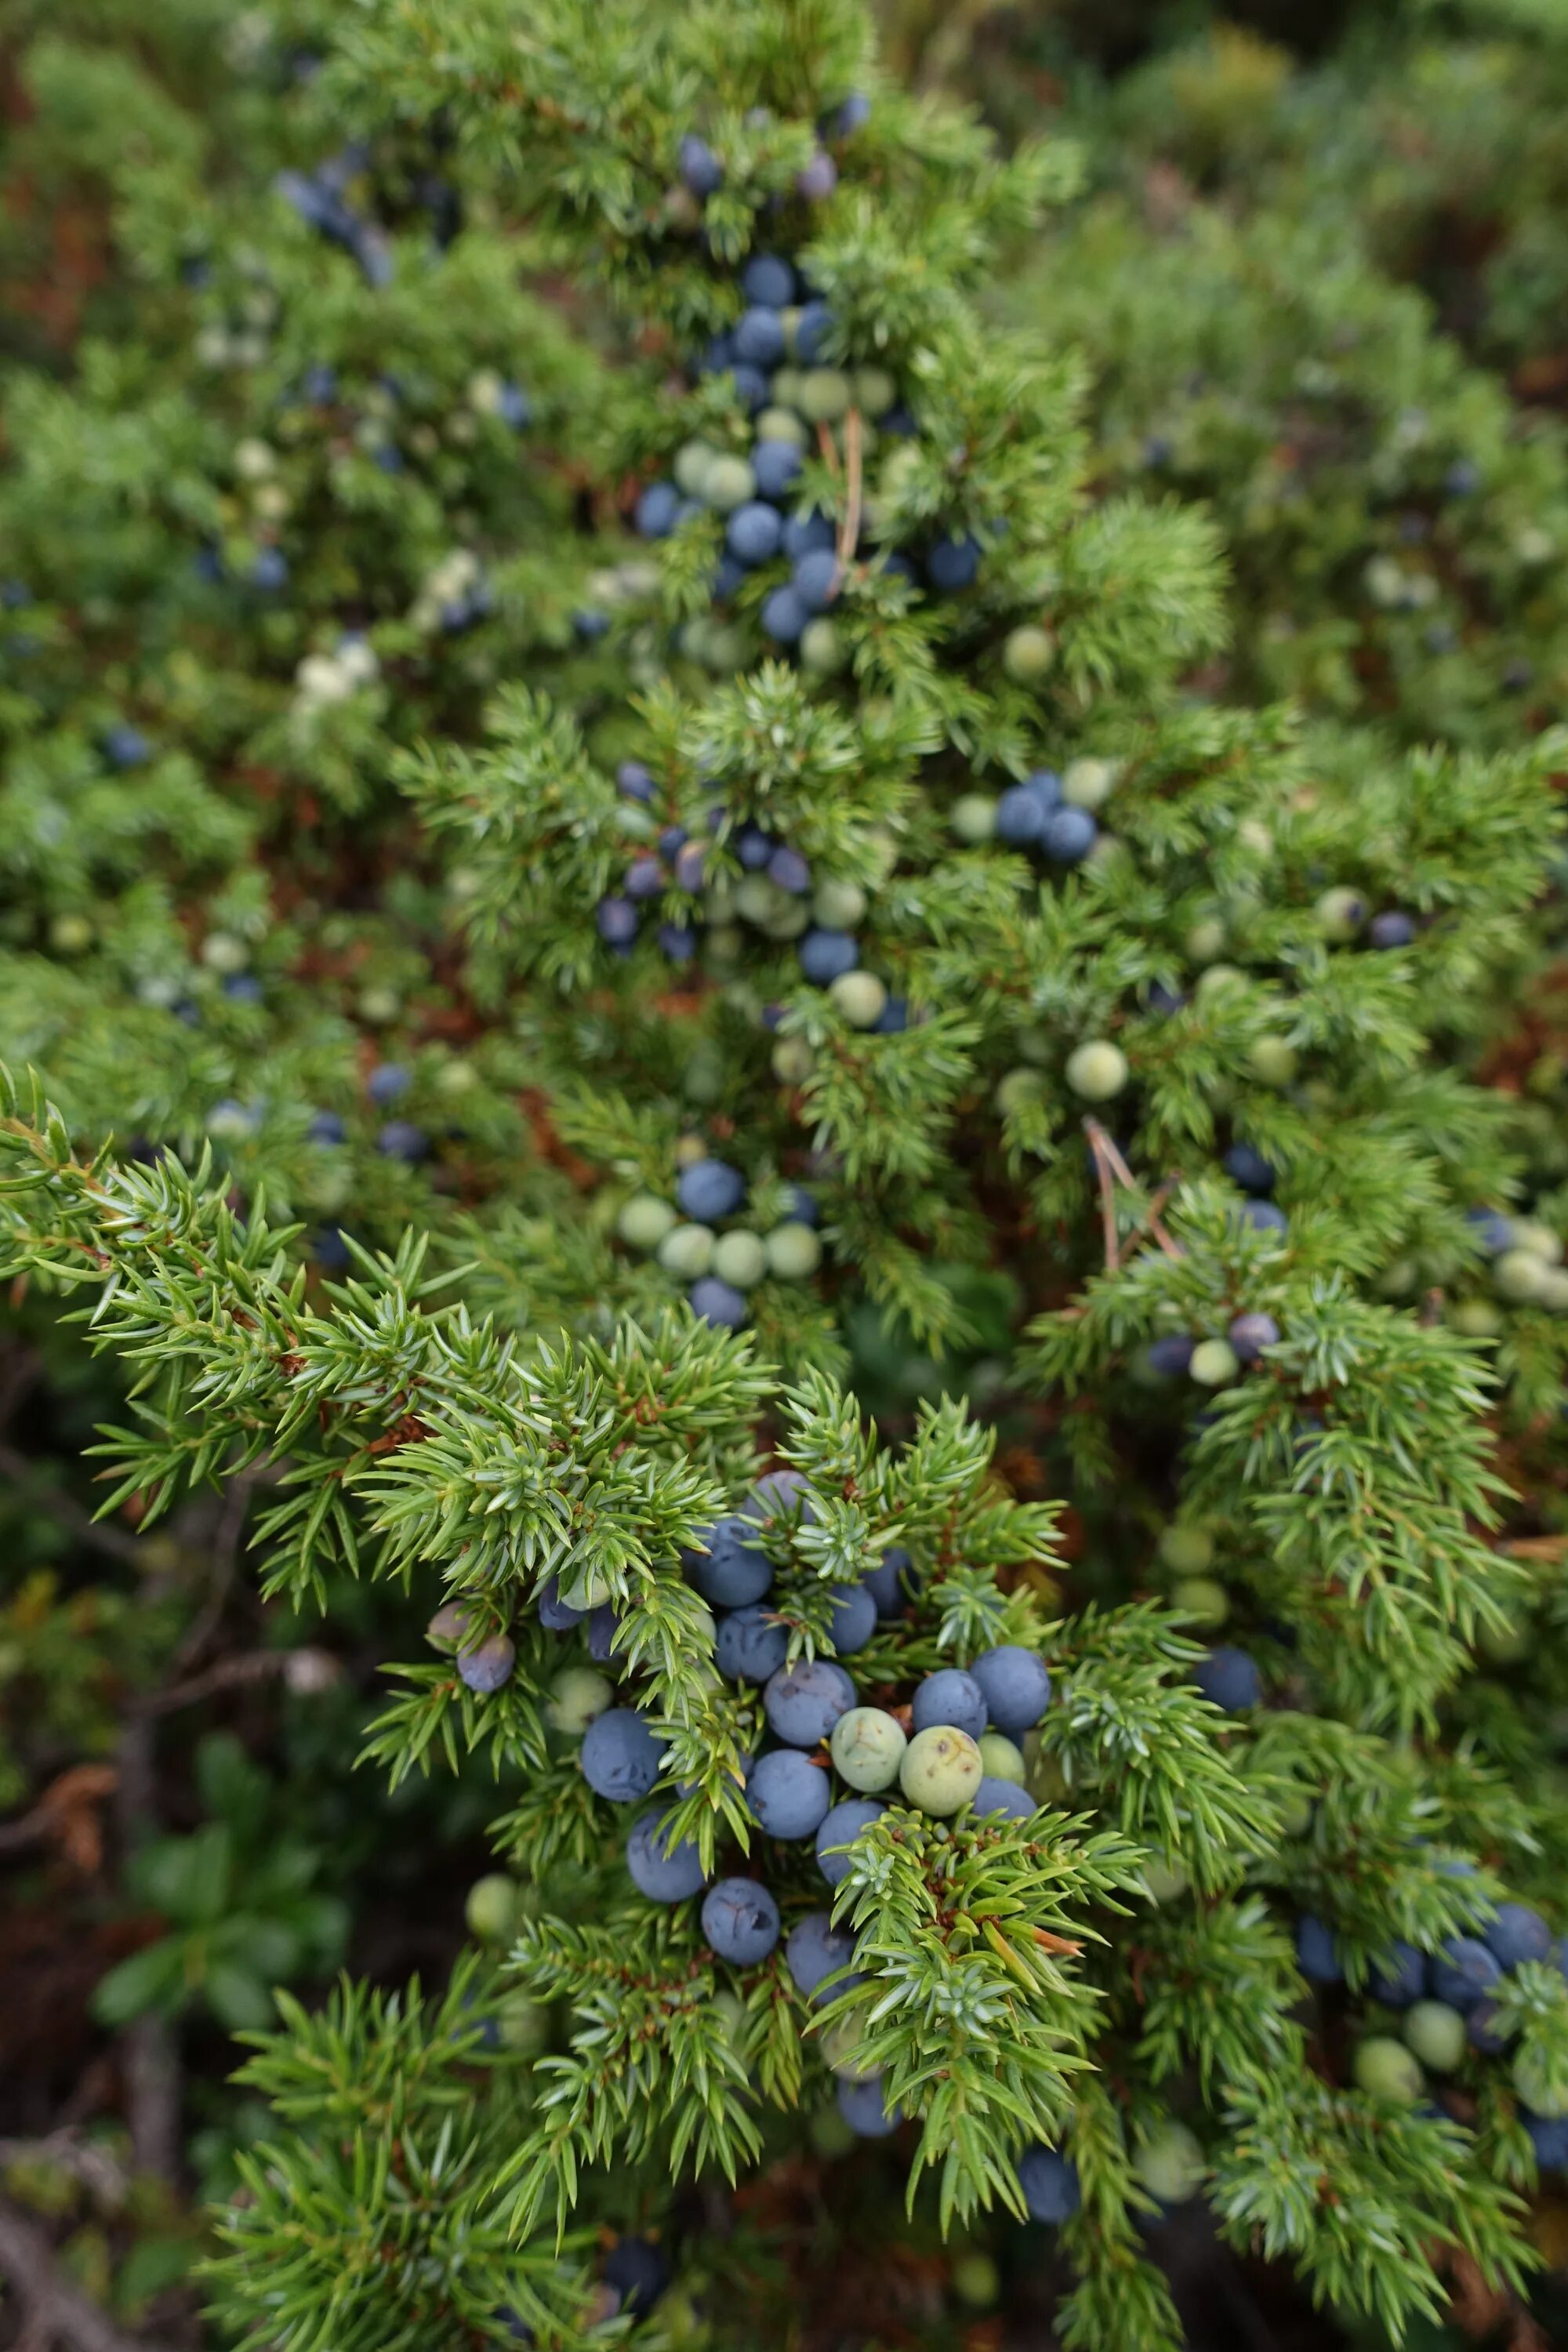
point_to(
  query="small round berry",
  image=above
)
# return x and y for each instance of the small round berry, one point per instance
(974, 817)
(663, 1873)
(710, 1189)
(823, 394)
(740, 1259)
(634, 782)
(827, 956)
(822, 651)
(750, 1646)
(794, 1252)
(815, 578)
(1070, 835)
(1437, 2034)
(1463, 1970)
(776, 463)
(1250, 1335)
(1050, 2185)
(617, 919)
(752, 532)
(1016, 1686)
(1392, 929)
(953, 562)
(713, 1301)
(758, 339)
(493, 1908)
(1202, 1597)
(815, 1950)
(1214, 1364)
(860, 997)
(699, 168)
(1518, 1934)
(1171, 2166)
(819, 179)
(839, 1830)
(639, 2273)
(886, 1581)
(768, 279)
(949, 1697)
(854, 1618)
(687, 1251)
(1185, 1549)
(782, 616)
(1027, 653)
(1016, 1090)
(1340, 914)
(644, 1221)
(740, 1921)
(578, 1697)
(868, 1747)
(1097, 1070)
(1229, 1678)
(620, 1757)
(1020, 817)
(1005, 1796)
(788, 1794)
(731, 1570)
(1402, 1979)
(804, 1702)
(864, 2109)
(1385, 2069)
(656, 510)
(941, 1770)
(1003, 1759)
(807, 533)
(488, 1664)
(728, 484)
(1317, 1952)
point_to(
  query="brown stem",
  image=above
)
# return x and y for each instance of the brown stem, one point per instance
(849, 527)
(1099, 1144)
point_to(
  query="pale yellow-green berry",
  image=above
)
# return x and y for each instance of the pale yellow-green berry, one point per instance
(739, 1258)
(1167, 1880)
(688, 1150)
(1185, 1549)
(1437, 2034)
(794, 1250)
(1542, 2086)
(1027, 653)
(492, 1910)
(703, 1080)
(1202, 1597)
(578, 1697)
(1272, 1061)
(824, 394)
(941, 1770)
(1171, 2166)
(1554, 1293)
(1097, 1070)
(822, 649)
(588, 1590)
(1215, 1363)
(1385, 2069)
(1089, 783)
(644, 1221)
(785, 387)
(1340, 914)
(69, 934)
(692, 461)
(860, 996)
(976, 2280)
(1002, 1758)
(1530, 1234)
(1218, 979)
(1519, 1277)
(1398, 1280)
(726, 649)
(1206, 941)
(867, 1747)
(728, 483)
(687, 1251)
(221, 951)
(874, 391)
(780, 425)
(792, 1061)
(973, 817)
(253, 460)
(838, 905)
(523, 2024)
(840, 2045)
(1476, 1318)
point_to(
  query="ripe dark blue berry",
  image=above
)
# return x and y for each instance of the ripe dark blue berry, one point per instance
(701, 169)
(864, 2109)
(617, 919)
(638, 2271)
(783, 616)
(841, 1828)
(488, 1664)
(1402, 1979)
(1393, 929)
(1483, 2031)
(709, 1190)
(994, 1796)
(788, 870)
(1170, 1356)
(643, 878)
(620, 1758)
(949, 1697)
(602, 1624)
(749, 1646)
(824, 955)
(775, 465)
(758, 339)
(1070, 835)
(788, 1794)
(386, 1082)
(554, 1614)
(1020, 817)
(656, 511)
(1246, 1166)
(1264, 1217)
(663, 1874)
(885, 1581)
(816, 1949)
(1518, 1934)
(811, 330)
(854, 1619)
(952, 564)
(717, 1302)
(1229, 1678)
(126, 746)
(740, 1921)
(733, 1569)
(768, 279)
(1050, 2185)
(1463, 1970)
(753, 531)
(1015, 1684)
(804, 1701)
(401, 1139)
(1317, 1953)
(1250, 1334)
(815, 578)
(819, 179)
(808, 535)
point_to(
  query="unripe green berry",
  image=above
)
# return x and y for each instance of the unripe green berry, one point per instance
(687, 1251)
(1027, 653)
(1202, 1597)
(492, 1909)
(1385, 2069)
(1533, 2076)
(1530, 1234)
(1218, 979)
(1205, 941)
(1003, 1759)
(1476, 1318)
(792, 1061)
(1097, 1071)
(588, 1590)
(824, 396)
(841, 2044)
(1554, 1293)
(778, 424)
(1437, 2034)
(693, 461)
(941, 1770)
(976, 2280)
(794, 1250)
(860, 997)
(1089, 783)
(1167, 1880)
(838, 905)
(1171, 2166)
(973, 817)
(1519, 1277)
(1215, 1363)
(874, 391)
(1186, 1548)
(785, 386)
(578, 1697)
(728, 483)
(868, 1749)
(1340, 914)
(523, 2024)
(822, 648)
(1017, 1088)
(1273, 1061)
(741, 1259)
(644, 1221)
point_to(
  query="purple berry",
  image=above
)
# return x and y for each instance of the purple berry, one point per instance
(1250, 1334)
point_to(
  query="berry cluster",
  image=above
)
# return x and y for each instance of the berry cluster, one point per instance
(1448, 2005)
(722, 1268)
(1527, 1270)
